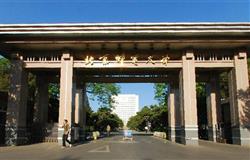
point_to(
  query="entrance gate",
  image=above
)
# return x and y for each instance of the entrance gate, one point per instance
(178, 53)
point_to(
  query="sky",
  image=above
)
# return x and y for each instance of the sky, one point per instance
(65, 11)
(100, 11)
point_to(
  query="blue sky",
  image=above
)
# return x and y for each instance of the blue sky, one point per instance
(61, 11)
(82, 11)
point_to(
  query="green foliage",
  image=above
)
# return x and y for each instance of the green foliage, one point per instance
(4, 74)
(54, 90)
(139, 121)
(103, 92)
(201, 89)
(32, 87)
(224, 88)
(161, 91)
(103, 117)
(53, 109)
(156, 115)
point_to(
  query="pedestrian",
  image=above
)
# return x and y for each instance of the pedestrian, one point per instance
(146, 128)
(108, 130)
(66, 130)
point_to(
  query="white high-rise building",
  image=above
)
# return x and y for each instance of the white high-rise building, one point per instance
(126, 106)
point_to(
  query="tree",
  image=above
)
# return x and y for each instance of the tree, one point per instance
(103, 92)
(201, 89)
(139, 121)
(159, 118)
(54, 90)
(156, 115)
(103, 117)
(161, 92)
(4, 74)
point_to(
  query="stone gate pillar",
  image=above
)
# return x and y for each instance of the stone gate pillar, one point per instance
(239, 94)
(66, 89)
(173, 108)
(213, 106)
(40, 118)
(84, 112)
(41, 104)
(189, 124)
(16, 127)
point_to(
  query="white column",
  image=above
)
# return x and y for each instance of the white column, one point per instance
(188, 100)
(213, 107)
(239, 97)
(78, 106)
(78, 113)
(66, 84)
(173, 107)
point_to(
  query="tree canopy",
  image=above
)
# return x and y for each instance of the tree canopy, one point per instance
(161, 92)
(103, 92)
(4, 74)
(156, 115)
(102, 118)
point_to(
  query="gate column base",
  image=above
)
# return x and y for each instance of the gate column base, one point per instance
(60, 135)
(16, 136)
(171, 134)
(241, 136)
(191, 135)
(212, 134)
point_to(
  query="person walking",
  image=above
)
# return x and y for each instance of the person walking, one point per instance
(146, 128)
(66, 130)
(108, 130)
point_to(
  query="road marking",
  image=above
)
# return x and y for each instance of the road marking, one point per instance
(121, 141)
(101, 149)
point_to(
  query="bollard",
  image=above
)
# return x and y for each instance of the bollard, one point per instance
(94, 135)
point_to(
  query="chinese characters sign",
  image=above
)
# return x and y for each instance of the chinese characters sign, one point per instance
(120, 59)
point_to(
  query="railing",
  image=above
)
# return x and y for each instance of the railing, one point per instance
(41, 59)
(212, 57)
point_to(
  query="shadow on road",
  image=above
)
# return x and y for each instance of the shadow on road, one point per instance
(69, 158)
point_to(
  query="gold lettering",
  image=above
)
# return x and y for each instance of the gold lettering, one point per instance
(89, 60)
(104, 59)
(134, 60)
(150, 60)
(164, 60)
(120, 59)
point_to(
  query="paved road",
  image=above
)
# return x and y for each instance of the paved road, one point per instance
(113, 148)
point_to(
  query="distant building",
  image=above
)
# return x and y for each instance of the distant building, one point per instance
(126, 106)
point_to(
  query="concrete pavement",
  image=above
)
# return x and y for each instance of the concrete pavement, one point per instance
(114, 148)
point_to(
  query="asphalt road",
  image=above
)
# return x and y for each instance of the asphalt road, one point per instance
(114, 148)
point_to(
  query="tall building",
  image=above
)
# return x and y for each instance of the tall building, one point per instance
(126, 106)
